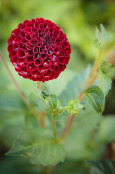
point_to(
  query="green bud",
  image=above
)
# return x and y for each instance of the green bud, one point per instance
(74, 106)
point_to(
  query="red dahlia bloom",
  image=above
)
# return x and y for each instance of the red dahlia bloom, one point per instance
(39, 49)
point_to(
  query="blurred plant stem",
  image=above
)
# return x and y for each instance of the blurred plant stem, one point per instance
(41, 113)
(39, 85)
(54, 128)
(47, 169)
(16, 85)
(92, 78)
(42, 116)
(13, 79)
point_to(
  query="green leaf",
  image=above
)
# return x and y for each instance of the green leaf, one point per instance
(101, 36)
(41, 94)
(102, 167)
(104, 82)
(95, 98)
(54, 87)
(74, 87)
(53, 101)
(73, 167)
(98, 35)
(106, 67)
(11, 101)
(44, 106)
(104, 35)
(12, 108)
(31, 121)
(47, 103)
(107, 130)
(79, 144)
(60, 115)
(35, 145)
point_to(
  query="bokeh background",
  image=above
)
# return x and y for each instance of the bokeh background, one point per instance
(78, 19)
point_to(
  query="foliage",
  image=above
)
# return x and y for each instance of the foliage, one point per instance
(33, 145)
(95, 97)
(32, 142)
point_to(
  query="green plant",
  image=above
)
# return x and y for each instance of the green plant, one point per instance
(74, 116)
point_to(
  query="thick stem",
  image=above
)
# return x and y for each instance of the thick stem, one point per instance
(13, 79)
(54, 128)
(92, 78)
(39, 85)
(41, 113)
(97, 63)
(82, 95)
(42, 116)
(66, 128)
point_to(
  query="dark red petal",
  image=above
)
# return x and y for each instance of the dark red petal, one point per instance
(10, 48)
(29, 60)
(31, 67)
(12, 54)
(21, 63)
(36, 74)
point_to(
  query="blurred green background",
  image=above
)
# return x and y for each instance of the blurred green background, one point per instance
(78, 19)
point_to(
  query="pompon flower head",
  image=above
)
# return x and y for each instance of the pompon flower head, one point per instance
(39, 49)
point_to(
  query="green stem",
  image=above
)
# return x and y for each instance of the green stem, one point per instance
(60, 110)
(92, 78)
(13, 79)
(54, 128)
(41, 113)
(42, 116)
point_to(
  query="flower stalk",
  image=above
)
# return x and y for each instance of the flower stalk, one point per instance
(41, 114)
(13, 79)
(92, 78)
(54, 128)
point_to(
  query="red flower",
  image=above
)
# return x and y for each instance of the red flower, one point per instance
(39, 50)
